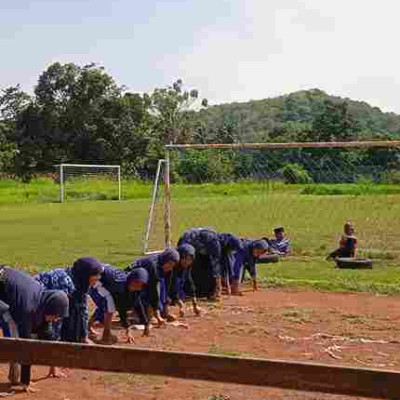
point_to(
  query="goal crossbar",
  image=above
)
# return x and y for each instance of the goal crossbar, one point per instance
(296, 145)
(90, 166)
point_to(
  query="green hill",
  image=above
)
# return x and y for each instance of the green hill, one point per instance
(301, 115)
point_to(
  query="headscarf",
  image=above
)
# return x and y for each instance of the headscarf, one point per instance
(54, 302)
(186, 250)
(260, 244)
(138, 275)
(83, 269)
(207, 235)
(169, 255)
(229, 241)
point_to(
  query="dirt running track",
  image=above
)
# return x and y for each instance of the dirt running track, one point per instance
(350, 329)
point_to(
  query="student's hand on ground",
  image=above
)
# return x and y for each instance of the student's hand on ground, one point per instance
(93, 335)
(56, 373)
(87, 341)
(197, 310)
(161, 321)
(129, 337)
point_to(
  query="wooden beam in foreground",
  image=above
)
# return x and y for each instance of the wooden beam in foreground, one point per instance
(281, 374)
(298, 145)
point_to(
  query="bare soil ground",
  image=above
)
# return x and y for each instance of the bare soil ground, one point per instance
(349, 329)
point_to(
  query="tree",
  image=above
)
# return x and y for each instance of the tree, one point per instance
(334, 123)
(7, 149)
(12, 102)
(81, 115)
(173, 109)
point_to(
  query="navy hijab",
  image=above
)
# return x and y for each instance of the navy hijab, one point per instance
(29, 303)
(229, 242)
(169, 255)
(82, 270)
(138, 275)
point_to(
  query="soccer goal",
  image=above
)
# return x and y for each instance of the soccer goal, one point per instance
(311, 189)
(89, 182)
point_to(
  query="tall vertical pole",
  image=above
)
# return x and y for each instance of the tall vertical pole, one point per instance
(119, 184)
(61, 183)
(152, 206)
(167, 200)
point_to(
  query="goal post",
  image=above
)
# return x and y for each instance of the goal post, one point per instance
(310, 188)
(90, 181)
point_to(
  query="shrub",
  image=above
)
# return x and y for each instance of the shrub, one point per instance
(295, 173)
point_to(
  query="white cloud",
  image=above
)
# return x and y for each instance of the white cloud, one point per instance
(345, 47)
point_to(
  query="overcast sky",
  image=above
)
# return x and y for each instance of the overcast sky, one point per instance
(231, 50)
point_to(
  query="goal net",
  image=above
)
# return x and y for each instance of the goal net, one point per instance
(89, 182)
(311, 189)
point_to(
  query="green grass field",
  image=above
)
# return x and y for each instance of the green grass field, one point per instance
(37, 232)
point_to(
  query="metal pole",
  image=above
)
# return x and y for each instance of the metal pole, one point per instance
(61, 183)
(167, 200)
(152, 205)
(296, 145)
(119, 184)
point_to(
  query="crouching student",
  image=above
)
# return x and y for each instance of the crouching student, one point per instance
(158, 267)
(212, 259)
(347, 245)
(230, 245)
(280, 244)
(138, 298)
(181, 284)
(245, 260)
(75, 281)
(10, 330)
(112, 284)
(32, 309)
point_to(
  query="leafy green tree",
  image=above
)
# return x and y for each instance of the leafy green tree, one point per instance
(12, 102)
(81, 115)
(334, 123)
(173, 108)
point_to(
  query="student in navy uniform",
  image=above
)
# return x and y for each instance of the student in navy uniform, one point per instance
(158, 267)
(280, 244)
(75, 282)
(9, 329)
(112, 284)
(245, 260)
(119, 291)
(32, 308)
(181, 282)
(137, 297)
(213, 259)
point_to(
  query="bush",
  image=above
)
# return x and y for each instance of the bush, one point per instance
(205, 166)
(295, 173)
(393, 178)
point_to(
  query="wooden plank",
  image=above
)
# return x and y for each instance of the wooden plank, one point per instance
(248, 371)
(298, 145)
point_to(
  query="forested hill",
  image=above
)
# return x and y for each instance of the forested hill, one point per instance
(79, 114)
(303, 115)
